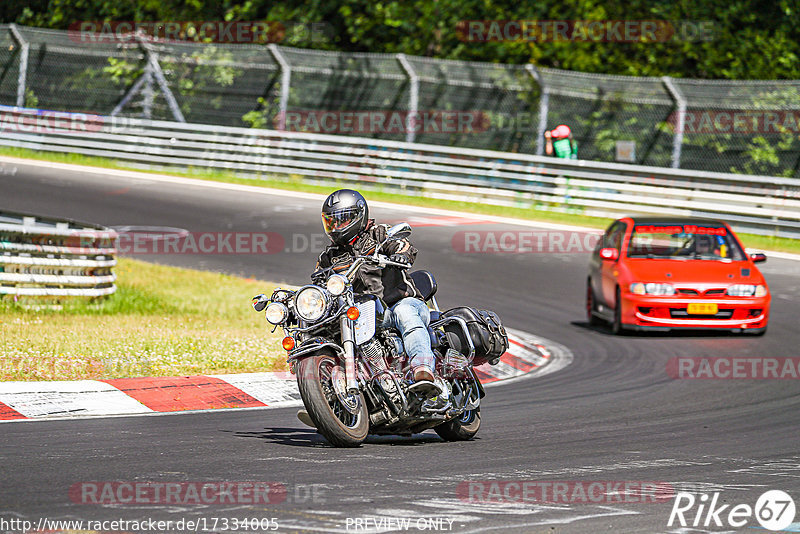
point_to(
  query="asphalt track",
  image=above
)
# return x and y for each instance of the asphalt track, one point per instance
(612, 415)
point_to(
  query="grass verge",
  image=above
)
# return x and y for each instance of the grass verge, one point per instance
(753, 241)
(162, 321)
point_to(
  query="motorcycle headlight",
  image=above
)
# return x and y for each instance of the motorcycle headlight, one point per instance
(747, 290)
(336, 284)
(276, 313)
(310, 303)
(639, 288)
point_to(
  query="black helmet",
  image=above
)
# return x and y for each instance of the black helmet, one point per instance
(344, 215)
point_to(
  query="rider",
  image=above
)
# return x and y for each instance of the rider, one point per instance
(345, 217)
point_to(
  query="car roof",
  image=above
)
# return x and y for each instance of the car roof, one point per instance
(675, 220)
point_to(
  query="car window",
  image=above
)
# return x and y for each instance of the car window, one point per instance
(684, 241)
(613, 238)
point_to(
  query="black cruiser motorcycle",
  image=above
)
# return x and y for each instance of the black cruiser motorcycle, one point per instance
(353, 375)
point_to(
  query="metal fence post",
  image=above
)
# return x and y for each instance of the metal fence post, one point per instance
(544, 106)
(286, 81)
(413, 98)
(146, 77)
(680, 103)
(155, 70)
(23, 64)
(148, 93)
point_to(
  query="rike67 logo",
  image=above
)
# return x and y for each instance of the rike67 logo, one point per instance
(774, 510)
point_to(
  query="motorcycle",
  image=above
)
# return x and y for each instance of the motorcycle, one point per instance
(353, 374)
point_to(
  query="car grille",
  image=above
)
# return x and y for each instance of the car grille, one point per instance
(706, 293)
(683, 314)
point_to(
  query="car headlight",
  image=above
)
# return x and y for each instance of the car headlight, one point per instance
(747, 290)
(652, 288)
(310, 303)
(336, 284)
(276, 313)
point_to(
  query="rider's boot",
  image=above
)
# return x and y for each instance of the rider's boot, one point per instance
(424, 382)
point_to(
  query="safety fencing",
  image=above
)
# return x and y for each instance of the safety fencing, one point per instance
(758, 204)
(743, 126)
(49, 257)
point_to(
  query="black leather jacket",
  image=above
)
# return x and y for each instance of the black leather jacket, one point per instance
(389, 283)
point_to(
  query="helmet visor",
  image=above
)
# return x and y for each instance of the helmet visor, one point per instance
(340, 219)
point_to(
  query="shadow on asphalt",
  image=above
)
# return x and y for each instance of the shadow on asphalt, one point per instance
(295, 437)
(649, 334)
(301, 437)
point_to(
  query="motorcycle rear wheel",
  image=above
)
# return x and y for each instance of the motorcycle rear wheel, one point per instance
(332, 419)
(461, 429)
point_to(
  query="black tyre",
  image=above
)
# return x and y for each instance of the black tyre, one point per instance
(591, 305)
(617, 328)
(461, 429)
(466, 426)
(330, 414)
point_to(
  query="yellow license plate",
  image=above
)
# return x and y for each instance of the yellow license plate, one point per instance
(701, 308)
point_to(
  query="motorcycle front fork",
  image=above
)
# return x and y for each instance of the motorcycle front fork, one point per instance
(347, 328)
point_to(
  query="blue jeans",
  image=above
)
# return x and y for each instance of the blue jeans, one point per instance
(411, 317)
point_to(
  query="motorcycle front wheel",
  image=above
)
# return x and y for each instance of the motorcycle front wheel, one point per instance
(342, 420)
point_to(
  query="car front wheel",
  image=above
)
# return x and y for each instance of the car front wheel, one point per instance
(591, 305)
(617, 328)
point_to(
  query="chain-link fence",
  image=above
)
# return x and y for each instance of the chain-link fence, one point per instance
(725, 126)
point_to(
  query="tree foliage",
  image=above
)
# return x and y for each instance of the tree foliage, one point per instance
(749, 39)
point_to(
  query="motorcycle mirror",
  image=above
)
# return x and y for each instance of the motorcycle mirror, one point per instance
(399, 231)
(260, 302)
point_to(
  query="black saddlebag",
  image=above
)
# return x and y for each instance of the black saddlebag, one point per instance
(485, 329)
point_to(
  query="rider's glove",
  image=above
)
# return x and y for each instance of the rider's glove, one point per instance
(399, 258)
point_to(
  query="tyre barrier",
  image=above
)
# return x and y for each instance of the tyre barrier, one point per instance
(42, 256)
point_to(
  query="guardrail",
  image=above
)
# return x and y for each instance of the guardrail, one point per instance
(757, 204)
(49, 257)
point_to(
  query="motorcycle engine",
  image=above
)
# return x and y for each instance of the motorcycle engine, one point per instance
(373, 352)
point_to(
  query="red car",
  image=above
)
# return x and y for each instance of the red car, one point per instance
(656, 273)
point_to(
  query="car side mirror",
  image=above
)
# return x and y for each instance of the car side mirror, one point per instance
(609, 254)
(758, 257)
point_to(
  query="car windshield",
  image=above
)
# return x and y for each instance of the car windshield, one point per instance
(687, 241)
